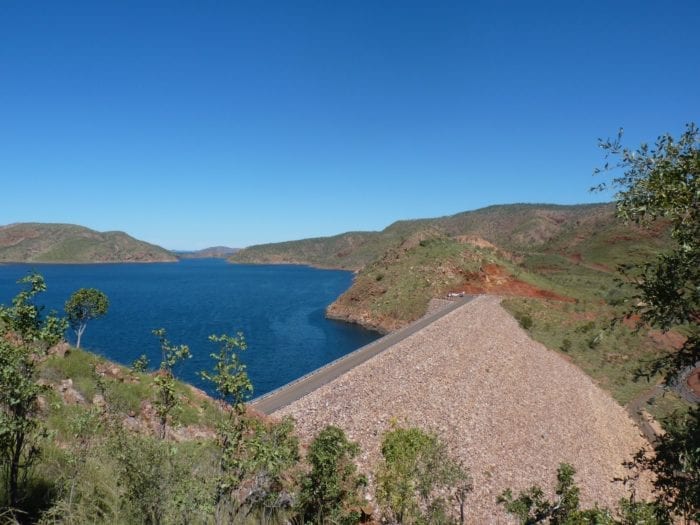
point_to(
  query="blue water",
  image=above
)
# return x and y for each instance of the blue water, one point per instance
(279, 308)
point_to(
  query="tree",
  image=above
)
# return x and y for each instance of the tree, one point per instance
(268, 454)
(532, 507)
(85, 304)
(229, 375)
(232, 386)
(166, 396)
(662, 182)
(416, 476)
(330, 491)
(676, 465)
(24, 335)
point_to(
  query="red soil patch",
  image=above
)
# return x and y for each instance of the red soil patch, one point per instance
(494, 280)
(669, 340)
(632, 321)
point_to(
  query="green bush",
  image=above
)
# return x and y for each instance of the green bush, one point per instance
(418, 479)
(330, 491)
(525, 321)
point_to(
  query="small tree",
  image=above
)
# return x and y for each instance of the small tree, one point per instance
(84, 305)
(531, 507)
(330, 492)
(417, 475)
(166, 396)
(229, 376)
(270, 452)
(232, 386)
(24, 334)
(676, 465)
(662, 182)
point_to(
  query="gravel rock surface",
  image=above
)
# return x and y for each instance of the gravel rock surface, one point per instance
(511, 409)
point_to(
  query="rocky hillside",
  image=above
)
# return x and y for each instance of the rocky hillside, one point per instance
(68, 243)
(395, 289)
(587, 230)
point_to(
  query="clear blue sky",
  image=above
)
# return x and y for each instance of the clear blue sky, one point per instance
(198, 123)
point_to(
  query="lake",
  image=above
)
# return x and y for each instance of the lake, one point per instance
(279, 308)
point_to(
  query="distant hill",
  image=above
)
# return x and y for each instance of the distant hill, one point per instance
(68, 243)
(574, 230)
(348, 251)
(213, 252)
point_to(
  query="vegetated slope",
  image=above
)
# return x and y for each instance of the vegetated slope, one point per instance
(68, 243)
(213, 252)
(78, 380)
(512, 227)
(589, 232)
(396, 289)
(507, 249)
(347, 251)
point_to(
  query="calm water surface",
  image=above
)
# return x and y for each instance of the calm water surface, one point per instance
(279, 308)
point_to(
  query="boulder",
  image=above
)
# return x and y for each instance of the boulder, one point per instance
(60, 349)
(99, 401)
(69, 394)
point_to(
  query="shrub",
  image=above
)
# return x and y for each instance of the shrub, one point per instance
(330, 492)
(525, 321)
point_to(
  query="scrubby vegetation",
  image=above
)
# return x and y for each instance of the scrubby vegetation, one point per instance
(532, 507)
(86, 441)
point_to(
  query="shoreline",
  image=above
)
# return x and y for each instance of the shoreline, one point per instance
(350, 318)
(354, 271)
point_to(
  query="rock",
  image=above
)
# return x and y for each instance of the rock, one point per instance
(490, 421)
(189, 433)
(132, 424)
(73, 397)
(42, 404)
(99, 401)
(69, 394)
(110, 370)
(61, 349)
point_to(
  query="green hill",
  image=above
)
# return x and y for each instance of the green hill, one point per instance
(67, 243)
(528, 250)
(514, 227)
(347, 251)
